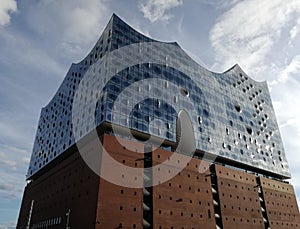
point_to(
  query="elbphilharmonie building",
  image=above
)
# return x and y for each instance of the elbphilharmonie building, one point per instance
(139, 135)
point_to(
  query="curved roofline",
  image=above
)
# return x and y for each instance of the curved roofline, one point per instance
(239, 68)
(113, 17)
(58, 89)
(235, 67)
(94, 47)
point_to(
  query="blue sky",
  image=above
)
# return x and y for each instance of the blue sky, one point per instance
(39, 39)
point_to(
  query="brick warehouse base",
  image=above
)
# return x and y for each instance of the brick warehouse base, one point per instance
(70, 193)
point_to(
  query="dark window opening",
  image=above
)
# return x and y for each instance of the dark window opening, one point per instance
(238, 108)
(249, 130)
(184, 91)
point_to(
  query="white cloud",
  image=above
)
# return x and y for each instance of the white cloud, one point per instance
(285, 73)
(61, 32)
(13, 165)
(14, 130)
(294, 31)
(6, 8)
(15, 44)
(10, 225)
(156, 10)
(248, 31)
(291, 69)
(69, 23)
(26, 160)
(9, 163)
(12, 157)
(6, 187)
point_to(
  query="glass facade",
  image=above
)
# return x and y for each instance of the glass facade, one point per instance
(136, 82)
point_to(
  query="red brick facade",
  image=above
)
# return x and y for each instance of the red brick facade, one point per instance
(216, 196)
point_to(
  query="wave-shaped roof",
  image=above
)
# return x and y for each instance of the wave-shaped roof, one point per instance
(141, 84)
